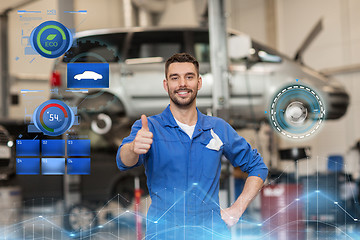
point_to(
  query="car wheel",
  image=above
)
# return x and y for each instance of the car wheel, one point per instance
(101, 124)
(104, 116)
(125, 187)
(80, 220)
(126, 190)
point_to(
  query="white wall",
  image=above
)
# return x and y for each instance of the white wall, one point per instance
(248, 16)
(337, 45)
(28, 71)
(100, 14)
(16, 26)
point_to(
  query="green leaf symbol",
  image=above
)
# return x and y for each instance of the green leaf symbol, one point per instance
(50, 37)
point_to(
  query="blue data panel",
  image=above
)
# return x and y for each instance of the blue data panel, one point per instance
(78, 147)
(53, 147)
(27, 147)
(53, 166)
(87, 75)
(28, 166)
(78, 166)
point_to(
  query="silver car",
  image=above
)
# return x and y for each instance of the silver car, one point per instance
(136, 59)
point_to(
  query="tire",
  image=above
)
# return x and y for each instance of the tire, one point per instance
(126, 189)
(102, 123)
(80, 220)
(103, 116)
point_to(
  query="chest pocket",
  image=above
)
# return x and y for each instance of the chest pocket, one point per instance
(211, 152)
(168, 161)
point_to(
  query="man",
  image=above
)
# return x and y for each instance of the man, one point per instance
(181, 150)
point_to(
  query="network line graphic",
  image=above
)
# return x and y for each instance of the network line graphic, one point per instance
(24, 227)
(313, 203)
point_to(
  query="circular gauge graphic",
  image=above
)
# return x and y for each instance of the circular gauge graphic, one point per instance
(297, 111)
(53, 117)
(51, 39)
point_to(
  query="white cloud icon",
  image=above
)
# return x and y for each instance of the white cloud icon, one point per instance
(88, 75)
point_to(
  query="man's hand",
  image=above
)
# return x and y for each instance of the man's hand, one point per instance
(143, 139)
(231, 215)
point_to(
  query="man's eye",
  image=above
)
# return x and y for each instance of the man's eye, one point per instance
(174, 78)
(190, 77)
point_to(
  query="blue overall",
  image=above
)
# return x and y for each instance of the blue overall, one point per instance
(183, 175)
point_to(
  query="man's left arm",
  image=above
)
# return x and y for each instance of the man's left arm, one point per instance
(239, 152)
(232, 214)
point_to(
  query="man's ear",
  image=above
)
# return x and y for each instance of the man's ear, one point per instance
(199, 83)
(165, 85)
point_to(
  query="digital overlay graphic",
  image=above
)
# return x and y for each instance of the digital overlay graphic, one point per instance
(296, 111)
(51, 39)
(87, 75)
(53, 117)
(51, 159)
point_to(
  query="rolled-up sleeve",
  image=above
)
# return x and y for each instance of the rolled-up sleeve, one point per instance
(239, 152)
(134, 129)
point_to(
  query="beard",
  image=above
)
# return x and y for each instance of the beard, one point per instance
(181, 102)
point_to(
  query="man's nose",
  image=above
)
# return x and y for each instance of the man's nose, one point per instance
(183, 81)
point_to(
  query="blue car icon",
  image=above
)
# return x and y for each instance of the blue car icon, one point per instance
(88, 75)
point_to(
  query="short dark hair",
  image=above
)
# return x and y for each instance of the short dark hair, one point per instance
(181, 58)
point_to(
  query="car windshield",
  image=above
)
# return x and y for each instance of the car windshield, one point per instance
(97, 48)
(264, 54)
(160, 44)
(201, 46)
(157, 46)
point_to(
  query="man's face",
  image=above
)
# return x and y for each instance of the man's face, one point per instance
(182, 83)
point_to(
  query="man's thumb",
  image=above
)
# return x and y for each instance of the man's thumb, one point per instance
(144, 122)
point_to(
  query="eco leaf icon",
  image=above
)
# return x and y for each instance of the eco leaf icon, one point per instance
(50, 37)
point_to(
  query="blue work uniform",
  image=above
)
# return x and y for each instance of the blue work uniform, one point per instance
(183, 175)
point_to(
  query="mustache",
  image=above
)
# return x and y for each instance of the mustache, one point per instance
(183, 89)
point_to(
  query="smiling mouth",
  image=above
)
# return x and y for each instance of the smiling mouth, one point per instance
(183, 92)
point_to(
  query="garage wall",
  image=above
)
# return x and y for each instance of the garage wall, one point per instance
(20, 28)
(248, 16)
(337, 45)
(28, 71)
(101, 14)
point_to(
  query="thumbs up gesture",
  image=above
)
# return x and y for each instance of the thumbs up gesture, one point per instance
(143, 139)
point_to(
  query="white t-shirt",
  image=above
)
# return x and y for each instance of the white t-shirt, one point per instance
(186, 128)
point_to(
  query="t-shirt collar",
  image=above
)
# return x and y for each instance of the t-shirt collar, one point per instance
(169, 120)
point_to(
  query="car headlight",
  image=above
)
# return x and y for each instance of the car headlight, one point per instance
(10, 144)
